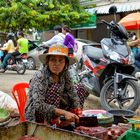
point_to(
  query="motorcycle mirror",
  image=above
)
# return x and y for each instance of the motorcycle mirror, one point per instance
(113, 10)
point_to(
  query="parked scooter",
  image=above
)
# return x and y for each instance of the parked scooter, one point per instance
(17, 63)
(107, 71)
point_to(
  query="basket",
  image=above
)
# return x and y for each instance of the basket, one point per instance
(105, 119)
(106, 122)
(136, 122)
(119, 115)
(132, 135)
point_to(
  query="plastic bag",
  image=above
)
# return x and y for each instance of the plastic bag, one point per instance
(8, 103)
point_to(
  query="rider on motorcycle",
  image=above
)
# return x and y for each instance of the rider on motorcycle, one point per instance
(9, 47)
(22, 45)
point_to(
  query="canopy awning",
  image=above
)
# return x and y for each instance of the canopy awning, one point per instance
(121, 7)
(131, 21)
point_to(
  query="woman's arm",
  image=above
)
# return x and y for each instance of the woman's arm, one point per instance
(66, 40)
(133, 43)
(69, 116)
(73, 96)
(53, 40)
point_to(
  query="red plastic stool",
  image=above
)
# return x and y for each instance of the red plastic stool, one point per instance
(20, 95)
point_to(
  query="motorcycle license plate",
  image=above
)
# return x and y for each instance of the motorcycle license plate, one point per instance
(25, 60)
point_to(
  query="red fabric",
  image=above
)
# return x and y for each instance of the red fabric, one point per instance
(56, 122)
(131, 21)
(77, 111)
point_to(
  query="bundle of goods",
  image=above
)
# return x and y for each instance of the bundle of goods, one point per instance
(98, 132)
(4, 117)
(110, 133)
(116, 131)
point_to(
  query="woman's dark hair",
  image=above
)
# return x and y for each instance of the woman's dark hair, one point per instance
(58, 28)
(21, 33)
(66, 28)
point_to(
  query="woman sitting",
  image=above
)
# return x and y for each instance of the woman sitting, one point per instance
(52, 93)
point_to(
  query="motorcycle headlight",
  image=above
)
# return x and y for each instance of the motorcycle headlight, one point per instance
(111, 54)
(115, 56)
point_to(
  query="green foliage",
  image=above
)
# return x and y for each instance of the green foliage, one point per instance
(41, 14)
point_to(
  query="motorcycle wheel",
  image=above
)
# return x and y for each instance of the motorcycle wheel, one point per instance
(21, 68)
(31, 64)
(127, 98)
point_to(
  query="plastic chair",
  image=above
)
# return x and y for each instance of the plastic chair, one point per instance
(20, 95)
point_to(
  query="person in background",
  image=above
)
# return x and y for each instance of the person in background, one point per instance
(22, 44)
(9, 47)
(69, 39)
(57, 38)
(133, 37)
(137, 55)
(52, 92)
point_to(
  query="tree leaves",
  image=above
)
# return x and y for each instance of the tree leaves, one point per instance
(41, 14)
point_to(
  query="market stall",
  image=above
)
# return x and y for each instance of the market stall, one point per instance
(106, 127)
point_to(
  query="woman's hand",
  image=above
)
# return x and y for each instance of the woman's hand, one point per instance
(71, 117)
(77, 111)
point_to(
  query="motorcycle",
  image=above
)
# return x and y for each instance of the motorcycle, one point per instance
(17, 63)
(107, 71)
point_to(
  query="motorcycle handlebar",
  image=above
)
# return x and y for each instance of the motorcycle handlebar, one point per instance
(111, 25)
(105, 22)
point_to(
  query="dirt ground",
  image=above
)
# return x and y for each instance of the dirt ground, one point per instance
(8, 79)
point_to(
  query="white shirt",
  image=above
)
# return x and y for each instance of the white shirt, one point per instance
(57, 39)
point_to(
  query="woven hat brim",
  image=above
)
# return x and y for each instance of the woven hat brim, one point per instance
(42, 58)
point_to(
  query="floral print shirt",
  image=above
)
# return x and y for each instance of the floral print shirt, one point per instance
(44, 97)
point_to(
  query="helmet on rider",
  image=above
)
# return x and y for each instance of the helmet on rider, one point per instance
(10, 36)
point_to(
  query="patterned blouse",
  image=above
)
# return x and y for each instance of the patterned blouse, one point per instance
(44, 96)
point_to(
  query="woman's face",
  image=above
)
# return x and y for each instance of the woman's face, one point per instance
(57, 64)
(63, 31)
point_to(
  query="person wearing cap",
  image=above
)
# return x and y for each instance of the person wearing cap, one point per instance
(57, 38)
(52, 93)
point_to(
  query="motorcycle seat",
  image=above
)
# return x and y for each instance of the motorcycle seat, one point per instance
(18, 57)
(93, 52)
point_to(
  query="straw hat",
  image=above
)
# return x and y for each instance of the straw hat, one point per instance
(57, 49)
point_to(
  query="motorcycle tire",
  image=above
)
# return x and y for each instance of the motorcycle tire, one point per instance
(109, 86)
(31, 64)
(21, 68)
